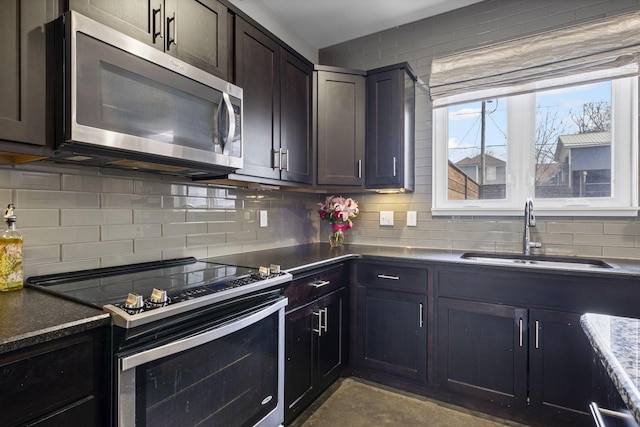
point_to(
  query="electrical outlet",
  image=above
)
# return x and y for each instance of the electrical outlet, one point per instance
(412, 218)
(263, 219)
(386, 217)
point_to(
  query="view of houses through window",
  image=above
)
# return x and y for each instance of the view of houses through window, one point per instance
(572, 144)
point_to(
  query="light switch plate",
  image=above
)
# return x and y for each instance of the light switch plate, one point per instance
(386, 217)
(412, 218)
(263, 219)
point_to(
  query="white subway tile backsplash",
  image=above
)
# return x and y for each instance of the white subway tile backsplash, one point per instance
(184, 229)
(36, 217)
(56, 199)
(38, 236)
(70, 217)
(131, 201)
(146, 216)
(130, 231)
(77, 251)
(30, 179)
(96, 184)
(159, 244)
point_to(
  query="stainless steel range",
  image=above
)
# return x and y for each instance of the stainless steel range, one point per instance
(195, 343)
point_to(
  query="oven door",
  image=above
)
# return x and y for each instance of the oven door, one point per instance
(231, 374)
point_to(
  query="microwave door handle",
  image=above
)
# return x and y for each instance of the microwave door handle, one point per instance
(232, 122)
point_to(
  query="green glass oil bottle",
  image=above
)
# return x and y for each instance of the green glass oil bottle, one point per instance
(11, 276)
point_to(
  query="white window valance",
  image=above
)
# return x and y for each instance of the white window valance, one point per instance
(607, 48)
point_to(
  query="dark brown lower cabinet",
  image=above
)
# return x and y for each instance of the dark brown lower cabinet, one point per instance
(59, 383)
(315, 349)
(561, 360)
(523, 360)
(392, 338)
(482, 351)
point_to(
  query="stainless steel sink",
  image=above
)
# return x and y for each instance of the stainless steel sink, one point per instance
(566, 262)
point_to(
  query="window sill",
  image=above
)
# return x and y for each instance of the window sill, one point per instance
(569, 211)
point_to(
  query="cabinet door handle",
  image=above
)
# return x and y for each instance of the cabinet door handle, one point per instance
(394, 166)
(359, 168)
(279, 155)
(537, 334)
(596, 414)
(520, 326)
(156, 30)
(326, 320)
(421, 315)
(320, 283)
(386, 276)
(320, 327)
(171, 40)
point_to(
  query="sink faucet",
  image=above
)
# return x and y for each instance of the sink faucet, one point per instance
(529, 221)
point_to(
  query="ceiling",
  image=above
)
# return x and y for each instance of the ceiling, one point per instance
(324, 23)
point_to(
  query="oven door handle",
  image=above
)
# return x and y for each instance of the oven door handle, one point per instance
(137, 359)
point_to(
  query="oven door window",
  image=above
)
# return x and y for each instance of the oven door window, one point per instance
(230, 381)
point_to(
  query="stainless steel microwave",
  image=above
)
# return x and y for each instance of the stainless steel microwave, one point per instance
(119, 102)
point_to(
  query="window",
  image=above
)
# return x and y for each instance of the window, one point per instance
(570, 142)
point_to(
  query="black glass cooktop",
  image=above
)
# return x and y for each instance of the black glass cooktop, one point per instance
(111, 285)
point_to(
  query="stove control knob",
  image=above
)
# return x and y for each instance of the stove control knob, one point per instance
(134, 302)
(158, 296)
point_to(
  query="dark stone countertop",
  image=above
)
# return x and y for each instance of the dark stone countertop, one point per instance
(616, 341)
(301, 258)
(29, 317)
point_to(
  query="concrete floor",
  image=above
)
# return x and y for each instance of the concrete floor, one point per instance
(352, 402)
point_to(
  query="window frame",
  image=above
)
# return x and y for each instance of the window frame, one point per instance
(520, 175)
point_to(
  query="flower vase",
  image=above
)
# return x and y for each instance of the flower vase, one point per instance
(336, 238)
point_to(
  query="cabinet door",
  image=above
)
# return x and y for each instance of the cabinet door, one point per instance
(196, 32)
(385, 128)
(22, 74)
(392, 333)
(482, 351)
(295, 119)
(341, 128)
(315, 349)
(561, 360)
(300, 346)
(332, 341)
(258, 73)
(140, 19)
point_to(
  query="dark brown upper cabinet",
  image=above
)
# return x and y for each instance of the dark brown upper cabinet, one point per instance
(194, 31)
(276, 108)
(23, 78)
(390, 159)
(340, 125)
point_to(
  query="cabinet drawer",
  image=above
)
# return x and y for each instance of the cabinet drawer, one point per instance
(309, 286)
(392, 276)
(45, 378)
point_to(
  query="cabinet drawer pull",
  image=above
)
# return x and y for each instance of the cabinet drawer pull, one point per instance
(386, 276)
(421, 315)
(320, 283)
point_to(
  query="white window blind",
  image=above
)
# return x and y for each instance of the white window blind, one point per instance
(606, 48)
